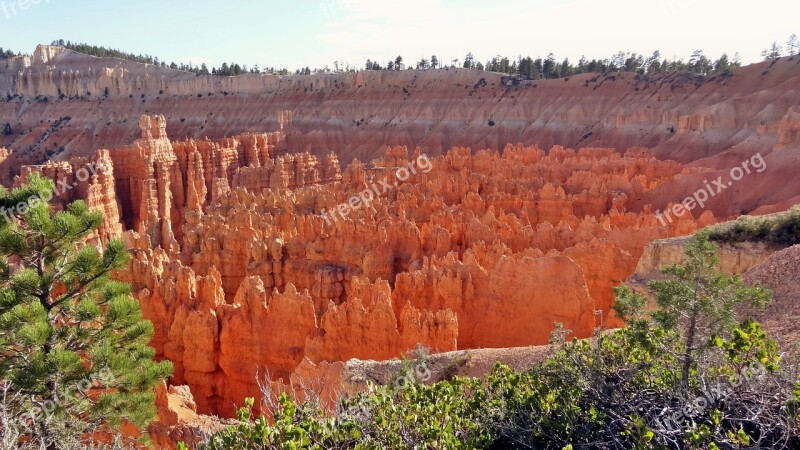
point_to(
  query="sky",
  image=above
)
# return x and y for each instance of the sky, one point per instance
(315, 33)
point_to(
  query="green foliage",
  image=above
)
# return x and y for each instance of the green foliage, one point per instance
(295, 427)
(696, 300)
(73, 343)
(747, 347)
(613, 393)
(781, 231)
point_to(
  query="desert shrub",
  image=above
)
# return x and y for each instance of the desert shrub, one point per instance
(745, 229)
(780, 231)
(786, 231)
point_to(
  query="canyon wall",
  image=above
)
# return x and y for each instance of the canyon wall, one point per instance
(251, 263)
(62, 104)
(254, 263)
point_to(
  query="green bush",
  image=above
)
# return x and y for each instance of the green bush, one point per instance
(780, 231)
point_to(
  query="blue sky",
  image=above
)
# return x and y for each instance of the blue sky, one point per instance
(318, 32)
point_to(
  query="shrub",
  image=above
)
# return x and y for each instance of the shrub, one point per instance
(780, 231)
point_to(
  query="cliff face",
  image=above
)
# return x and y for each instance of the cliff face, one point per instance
(59, 98)
(735, 258)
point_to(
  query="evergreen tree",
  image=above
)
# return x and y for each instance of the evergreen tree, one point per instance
(582, 64)
(618, 61)
(7, 131)
(566, 68)
(398, 62)
(526, 68)
(434, 62)
(695, 299)
(73, 343)
(652, 64)
(469, 61)
(698, 63)
(793, 45)
(773, 52)
(550, 69)
(737, 60)
(722, 64)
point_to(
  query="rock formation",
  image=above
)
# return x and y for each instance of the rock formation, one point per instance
(58, 95)
(88, 179)
(260, 265)
(251, 264)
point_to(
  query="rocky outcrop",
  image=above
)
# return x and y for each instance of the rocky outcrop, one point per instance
(779, 273)
(256, 265)
(734, 258)
(177, 419)
(789, 129)
(88, 179)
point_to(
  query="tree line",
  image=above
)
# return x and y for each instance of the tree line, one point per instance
(7, 53)
(225, 69)
(526, 67)
(549, 67)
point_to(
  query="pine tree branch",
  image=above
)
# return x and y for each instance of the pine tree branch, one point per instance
(79, 289)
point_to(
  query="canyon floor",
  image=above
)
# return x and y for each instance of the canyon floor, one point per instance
(309, 227)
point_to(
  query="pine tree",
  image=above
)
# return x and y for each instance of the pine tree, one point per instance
(773, 52)
(469, 61)
(792, 45)
(73, 343)
(695, 299)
